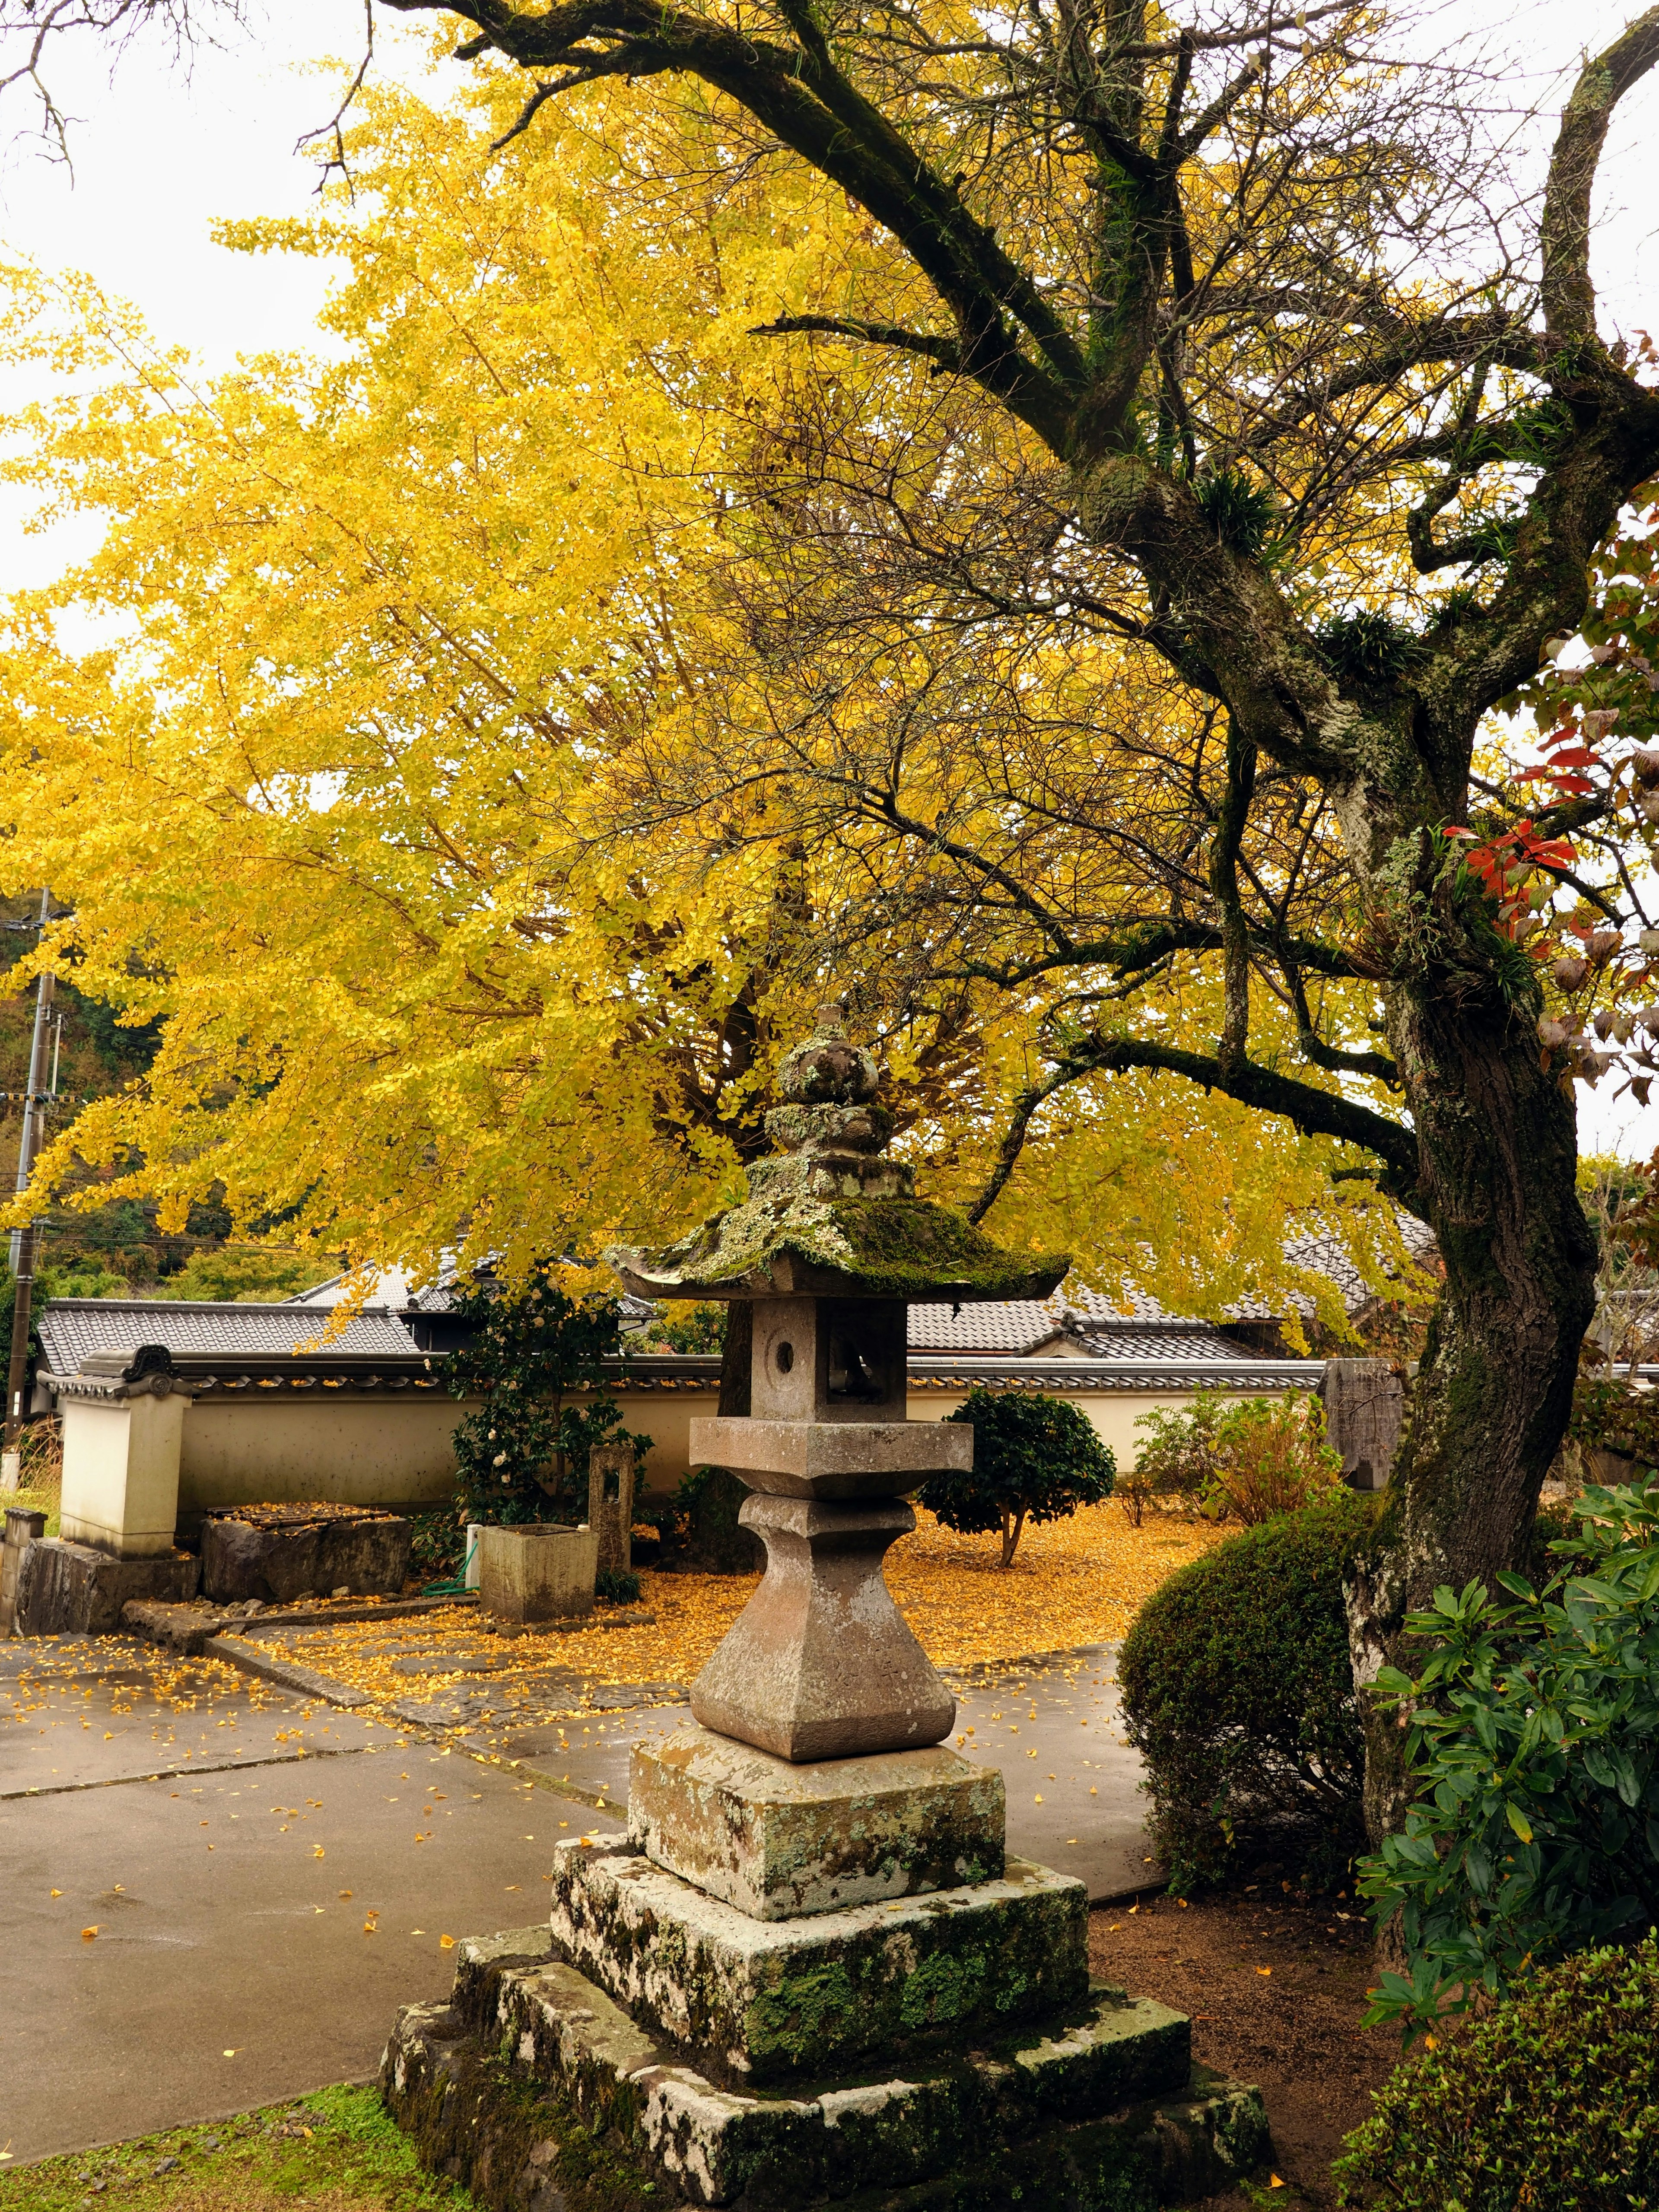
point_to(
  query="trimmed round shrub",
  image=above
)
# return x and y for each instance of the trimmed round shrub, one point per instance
(1036, 1458)
(1552, 2101)
(1238, 1694)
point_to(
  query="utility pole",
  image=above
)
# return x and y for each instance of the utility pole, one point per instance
(23, 1241)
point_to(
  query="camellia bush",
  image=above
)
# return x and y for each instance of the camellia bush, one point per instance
(1036, 1458)
(1534, 1758)
(523, 1456)
(1550, 2102)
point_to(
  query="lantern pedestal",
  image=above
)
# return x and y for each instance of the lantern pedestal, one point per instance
(535, 2088)
(778, 1840)
(820, 1664)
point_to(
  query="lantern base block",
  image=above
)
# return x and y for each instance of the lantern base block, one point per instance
(820, 1664)
(779, 1841)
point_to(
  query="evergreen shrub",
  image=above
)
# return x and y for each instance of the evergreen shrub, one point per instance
(1550, 2102)
(1532, 1758)
(1238, 1694)
(1036, 1458)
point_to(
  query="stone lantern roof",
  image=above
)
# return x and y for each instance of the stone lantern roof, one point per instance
(830, 1215)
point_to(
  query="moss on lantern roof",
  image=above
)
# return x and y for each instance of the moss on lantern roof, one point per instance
(805, 1245)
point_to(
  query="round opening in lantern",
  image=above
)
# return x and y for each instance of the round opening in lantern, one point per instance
(785, 1355)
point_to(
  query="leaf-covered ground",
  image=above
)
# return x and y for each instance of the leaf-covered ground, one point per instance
(1073, 1582)
(336, 2151)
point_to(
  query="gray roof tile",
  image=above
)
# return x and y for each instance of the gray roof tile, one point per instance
(70, 1329)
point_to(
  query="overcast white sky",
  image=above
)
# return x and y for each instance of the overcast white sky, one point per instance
(159, 153)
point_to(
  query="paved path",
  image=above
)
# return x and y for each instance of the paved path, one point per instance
(207, 1827)
(215, 1892)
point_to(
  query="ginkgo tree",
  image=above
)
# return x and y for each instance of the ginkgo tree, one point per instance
(343, 795)
(1277, 362)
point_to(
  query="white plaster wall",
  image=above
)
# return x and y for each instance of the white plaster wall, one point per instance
(395, 1450)
(244, 1450)
(121, 1474)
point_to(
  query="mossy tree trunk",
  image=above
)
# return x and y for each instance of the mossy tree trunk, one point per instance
(1493, 1394)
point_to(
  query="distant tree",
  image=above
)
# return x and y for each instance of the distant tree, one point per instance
(687, 1327)
(1036, 1458)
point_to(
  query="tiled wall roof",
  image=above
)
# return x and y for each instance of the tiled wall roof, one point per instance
(70, 1329)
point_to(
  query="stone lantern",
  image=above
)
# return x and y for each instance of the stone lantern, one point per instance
(811, 1972)
(829, 1247)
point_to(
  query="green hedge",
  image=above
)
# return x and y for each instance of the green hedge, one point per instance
(1239, 1696)
(1551, 2102)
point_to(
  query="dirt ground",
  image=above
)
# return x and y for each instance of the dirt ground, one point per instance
(1275, 1990)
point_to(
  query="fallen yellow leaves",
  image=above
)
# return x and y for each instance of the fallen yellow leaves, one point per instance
(1080, 1581)
(88, 1935)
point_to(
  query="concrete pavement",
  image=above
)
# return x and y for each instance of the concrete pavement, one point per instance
(215, 1893)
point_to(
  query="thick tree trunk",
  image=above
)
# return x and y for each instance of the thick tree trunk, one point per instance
(1499, 1154)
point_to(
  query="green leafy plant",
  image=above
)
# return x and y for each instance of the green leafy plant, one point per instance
(243, 1275)
(617, 1586)
(1238, 1694)
(1533, 1752)
(437, 1548)
(1036, 1458)
(684, 1326)
(1269, 1457)
(1178, 1455)
(1551, 2102)
(523, 1456)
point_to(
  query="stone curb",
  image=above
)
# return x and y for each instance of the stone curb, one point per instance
(283, 1672)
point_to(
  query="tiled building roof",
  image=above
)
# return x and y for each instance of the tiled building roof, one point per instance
(71, 1328)
(1086, 1324)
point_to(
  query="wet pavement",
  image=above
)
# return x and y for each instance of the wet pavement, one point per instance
(154, 1926)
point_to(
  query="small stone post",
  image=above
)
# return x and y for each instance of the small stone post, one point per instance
(23, 1527)
(610, 1505)
(1365, 1405)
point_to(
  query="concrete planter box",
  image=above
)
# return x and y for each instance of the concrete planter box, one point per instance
(536, 1571)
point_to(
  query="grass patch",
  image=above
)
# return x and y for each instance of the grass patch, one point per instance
(37, 1496)
(338, 2151)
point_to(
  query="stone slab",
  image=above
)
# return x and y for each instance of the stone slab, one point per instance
(832, 1459)
(762, 2002)
(364, 1553)
(1108, 2090)
(70, 1589)
(780, 1841)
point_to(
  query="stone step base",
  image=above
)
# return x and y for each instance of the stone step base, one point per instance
(767, 2002)
(538, 2093)
(70, 1589)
